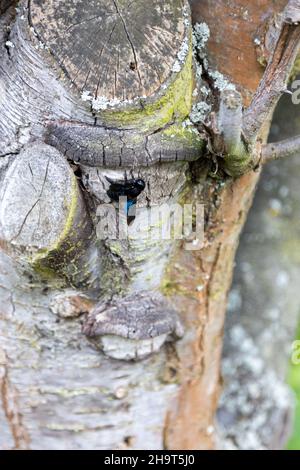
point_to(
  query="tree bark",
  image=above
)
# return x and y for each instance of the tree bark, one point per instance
(76, 369)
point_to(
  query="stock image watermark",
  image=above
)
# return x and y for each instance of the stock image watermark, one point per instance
(295, 357)
(164, 222)
(296, 92)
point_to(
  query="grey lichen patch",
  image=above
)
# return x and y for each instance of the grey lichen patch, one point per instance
(201, 35)
(228, 147)
(201, 106)
(181, 56)
(200, 111)
(220, 81)
(204, 100)
(133, 326)
(102, 103)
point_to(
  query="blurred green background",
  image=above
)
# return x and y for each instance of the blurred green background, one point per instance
(294, 382)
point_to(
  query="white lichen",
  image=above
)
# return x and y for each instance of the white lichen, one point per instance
(101, 103)
(221, 82)
(187, 123)
(200, 112)
(176, 67)
(86, 96)
(186, 13)
(9, 44)
(181, 56)
(201, 35)
(41, 46)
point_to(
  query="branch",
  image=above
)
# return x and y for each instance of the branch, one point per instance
(285, 148)
(276, 76)
(230, 120)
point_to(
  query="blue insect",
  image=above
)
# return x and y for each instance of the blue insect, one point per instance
(130, 188)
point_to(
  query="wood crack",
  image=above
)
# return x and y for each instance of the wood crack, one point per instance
(129, 39)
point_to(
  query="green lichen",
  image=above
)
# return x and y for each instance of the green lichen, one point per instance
(47, 261)
(175, 103)
(186, 135)
(115, 272)
(117, 249)
(237, 164)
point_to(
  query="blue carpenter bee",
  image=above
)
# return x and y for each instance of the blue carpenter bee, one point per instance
(130, 188)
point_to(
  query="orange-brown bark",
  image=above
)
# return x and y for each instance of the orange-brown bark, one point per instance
(234, 27)
(205, 276)
(205, 279)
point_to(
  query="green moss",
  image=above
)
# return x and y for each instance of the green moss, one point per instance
(63, 247)
(237, 164)
(173, 104)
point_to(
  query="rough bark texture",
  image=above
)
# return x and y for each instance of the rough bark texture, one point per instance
(58, 388)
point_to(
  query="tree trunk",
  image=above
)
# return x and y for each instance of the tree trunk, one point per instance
(110, 343)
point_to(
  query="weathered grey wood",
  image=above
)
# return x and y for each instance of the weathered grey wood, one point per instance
(135, 326)
(117, 50)
(47, 108)
(67, 394)
(114, 148)
(30, 90)
(38, 183)
(43, 217)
